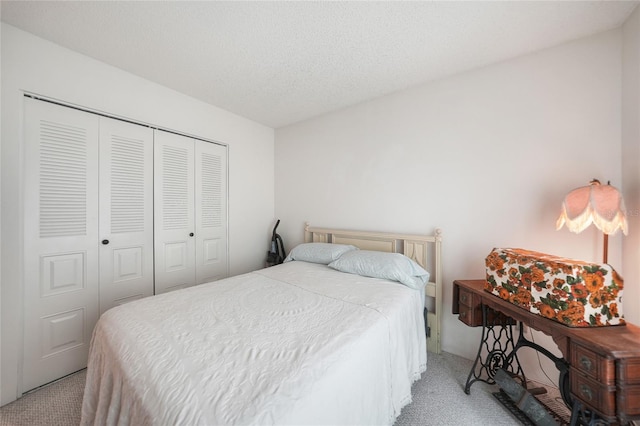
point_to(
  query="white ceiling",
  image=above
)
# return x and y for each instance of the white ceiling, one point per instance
(281, 62)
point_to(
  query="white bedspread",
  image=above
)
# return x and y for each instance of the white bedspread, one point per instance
(298, 343)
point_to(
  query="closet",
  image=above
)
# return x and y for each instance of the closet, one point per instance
(190, 215)
(92, 188)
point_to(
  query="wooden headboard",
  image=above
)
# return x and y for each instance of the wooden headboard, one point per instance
(426, 250)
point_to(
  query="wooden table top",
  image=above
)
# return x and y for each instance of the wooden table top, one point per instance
(619, 342)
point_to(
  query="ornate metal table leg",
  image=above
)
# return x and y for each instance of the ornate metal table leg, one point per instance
(580, 416)
(561, 364)
(496, 342)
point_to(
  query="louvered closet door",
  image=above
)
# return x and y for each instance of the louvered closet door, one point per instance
(174, 219)
(126, 212)
(60, 240)
(211, 211)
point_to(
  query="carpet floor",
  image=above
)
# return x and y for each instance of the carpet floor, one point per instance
(438, 399)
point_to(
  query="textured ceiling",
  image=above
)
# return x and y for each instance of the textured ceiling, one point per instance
(281, 62)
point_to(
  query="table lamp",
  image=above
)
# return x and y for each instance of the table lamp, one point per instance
(599, 204)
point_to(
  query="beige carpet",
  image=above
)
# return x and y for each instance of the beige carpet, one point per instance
(438, 399)
(57, 404)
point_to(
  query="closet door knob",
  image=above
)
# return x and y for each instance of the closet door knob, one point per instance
(191, 234)
(105, 242)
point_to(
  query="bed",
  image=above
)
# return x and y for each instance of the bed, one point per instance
(297, 343)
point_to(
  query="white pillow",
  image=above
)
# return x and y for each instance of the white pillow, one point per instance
(377, 264)
(324, 253)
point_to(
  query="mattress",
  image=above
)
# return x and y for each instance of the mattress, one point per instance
(297, 343)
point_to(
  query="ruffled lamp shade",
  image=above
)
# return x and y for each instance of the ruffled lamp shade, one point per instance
(599, 204)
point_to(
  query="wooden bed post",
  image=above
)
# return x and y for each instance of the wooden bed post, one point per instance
(434, 341)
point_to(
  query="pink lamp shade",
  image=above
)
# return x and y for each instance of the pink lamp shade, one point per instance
(599, 204)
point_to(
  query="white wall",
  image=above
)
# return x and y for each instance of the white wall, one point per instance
(0, 223)
(35, 65)
(487, 155)
(631, 162)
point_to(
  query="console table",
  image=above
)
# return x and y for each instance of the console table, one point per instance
(600, 368)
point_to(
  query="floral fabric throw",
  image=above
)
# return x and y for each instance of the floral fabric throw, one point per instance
(572, 292)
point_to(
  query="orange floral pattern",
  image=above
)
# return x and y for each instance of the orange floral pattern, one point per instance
(572, 292)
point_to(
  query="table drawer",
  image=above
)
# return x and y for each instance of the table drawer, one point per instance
(470, 316)
(595, 395)
(629, 403)
(628, 389)
(470, 308)
(590, 364)
(467, 298)
(629, 371)
(473, 316)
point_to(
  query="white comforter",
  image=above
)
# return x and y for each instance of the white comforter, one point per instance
(297, 343)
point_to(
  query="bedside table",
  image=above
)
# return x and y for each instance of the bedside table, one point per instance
(600, 368)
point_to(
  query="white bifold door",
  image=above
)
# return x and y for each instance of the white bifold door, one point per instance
(190, 213)
(88, 231)
(90, 240)
(126, 212)
(60, 240)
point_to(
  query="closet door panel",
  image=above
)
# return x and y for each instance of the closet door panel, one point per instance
(211, 211)
(60, 240)
(174, 219)
(126, 212)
